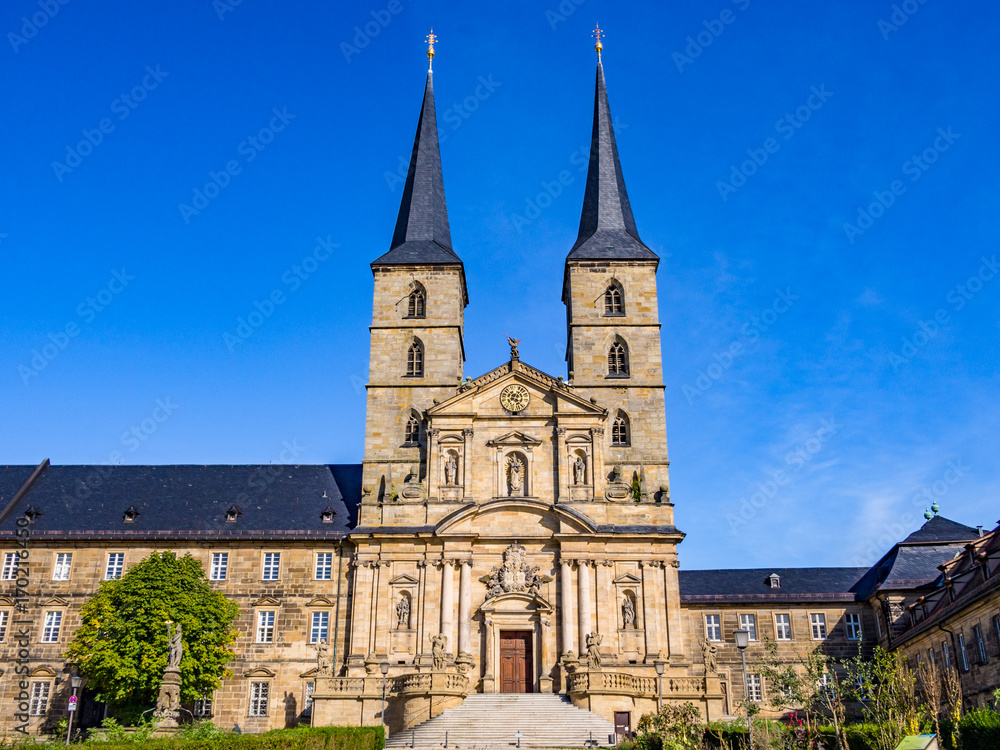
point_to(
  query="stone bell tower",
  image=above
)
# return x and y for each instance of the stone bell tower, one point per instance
(417, 351)
(613, 336)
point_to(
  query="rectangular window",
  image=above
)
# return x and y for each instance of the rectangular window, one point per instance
(272, 564)
(116, 563)
(818, 620)
(265, 627)
(220, 566)
(203, 707)
(324, 566)
(258, 698)
(977, 634)
(963, 657)
(4, 620)
(50, 631)
(39, 703)
(310, 687)
(755, 689)
(320, 623)
(946, 654)
(930, 657)
(713, 627)
(783, 627)
(853, 626)
(878, 624)
(749, 622)
(10, 562)
(996, 630)
(61, 570)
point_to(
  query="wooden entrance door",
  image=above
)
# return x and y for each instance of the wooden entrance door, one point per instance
(516, 674)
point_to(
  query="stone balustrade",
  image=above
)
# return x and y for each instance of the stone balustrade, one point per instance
(621, 683)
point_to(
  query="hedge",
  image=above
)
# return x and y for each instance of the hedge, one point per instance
(980, 730)
(311, 738)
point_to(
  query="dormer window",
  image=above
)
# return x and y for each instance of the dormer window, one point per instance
(774, 581)
(131, 513)
(326, 515)
(233, 514)
(32, 513)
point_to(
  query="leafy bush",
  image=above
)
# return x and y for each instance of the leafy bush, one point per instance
(980, 730)
(200, 736)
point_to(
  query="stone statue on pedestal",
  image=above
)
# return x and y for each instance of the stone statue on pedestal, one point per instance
(323, 666)
(594, 649)
(168, 702)
(439, 643)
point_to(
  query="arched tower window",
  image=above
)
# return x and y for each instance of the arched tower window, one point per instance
(415, 360)
(618, 359)
(412, 435)
(620, 432)
(416, 306)
(614, 299)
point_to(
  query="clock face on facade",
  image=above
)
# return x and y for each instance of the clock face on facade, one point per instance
(514, 397)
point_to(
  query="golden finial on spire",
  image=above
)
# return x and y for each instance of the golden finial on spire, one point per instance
(598, 34)
(431, 39)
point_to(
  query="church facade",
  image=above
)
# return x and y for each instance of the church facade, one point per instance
(508, 533)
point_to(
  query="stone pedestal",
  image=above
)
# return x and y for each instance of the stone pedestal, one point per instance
(168, 703)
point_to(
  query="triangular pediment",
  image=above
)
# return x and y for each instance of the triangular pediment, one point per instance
(56, 601)
(267, 601)
(404, 579)
(514, 438)
(559, 393)
(628, 578)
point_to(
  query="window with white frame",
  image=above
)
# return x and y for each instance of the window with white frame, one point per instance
(783, 627)
(220, 566)
(10, 562)
(39, 702)
(50, 630)
(203, 707)
(749, 622)
(319, 627)
(116, 564)
(963, 657)
(258, 698)
(308, 702)
(272, 564)
(60, 571)
(4, 621)
(853, 620)
(946, 654)
(324, 566)
(265, 626)
(755, 688)
(713, 627)
(818, 621)
(977, 635)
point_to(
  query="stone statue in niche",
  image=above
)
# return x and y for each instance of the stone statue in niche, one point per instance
(403, 613)
(579, 471)
(628, 612)
(451, 470)
(438, 644)
(515, 476)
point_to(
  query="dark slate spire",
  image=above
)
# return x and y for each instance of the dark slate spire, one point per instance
(422, 233)
(607, 228)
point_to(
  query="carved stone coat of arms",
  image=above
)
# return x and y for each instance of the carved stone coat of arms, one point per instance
(515, 575)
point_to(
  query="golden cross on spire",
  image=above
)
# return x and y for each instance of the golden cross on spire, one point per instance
(431, 39)
(598, 35)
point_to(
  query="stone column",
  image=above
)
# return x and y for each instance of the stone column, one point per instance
(420, 608)
(465, 608)
(467, 463)
(598, 478)
(566, 603)
(649, 610)
(448, 603)
(563, 467)
(432, 463)
(358, 624)
(583, 604)
(675, 626)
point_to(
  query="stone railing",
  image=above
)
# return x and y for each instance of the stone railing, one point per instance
(622, 683)
(431, 683)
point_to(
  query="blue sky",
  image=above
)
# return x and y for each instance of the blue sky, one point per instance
(819, 180)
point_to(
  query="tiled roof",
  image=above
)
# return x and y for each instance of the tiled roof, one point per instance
(752, 584)
(607, 227)
(940, 529)
(912, 567)
(181, 501)
(422, 232)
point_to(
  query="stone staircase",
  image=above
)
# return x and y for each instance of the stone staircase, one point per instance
(492, 720)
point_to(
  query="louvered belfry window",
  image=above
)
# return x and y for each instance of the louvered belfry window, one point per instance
(613, 301)
(619, 431)
(415, 360)
(617, 359)
(416, 307)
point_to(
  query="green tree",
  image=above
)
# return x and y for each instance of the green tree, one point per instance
(886, 688)
(121, 647)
